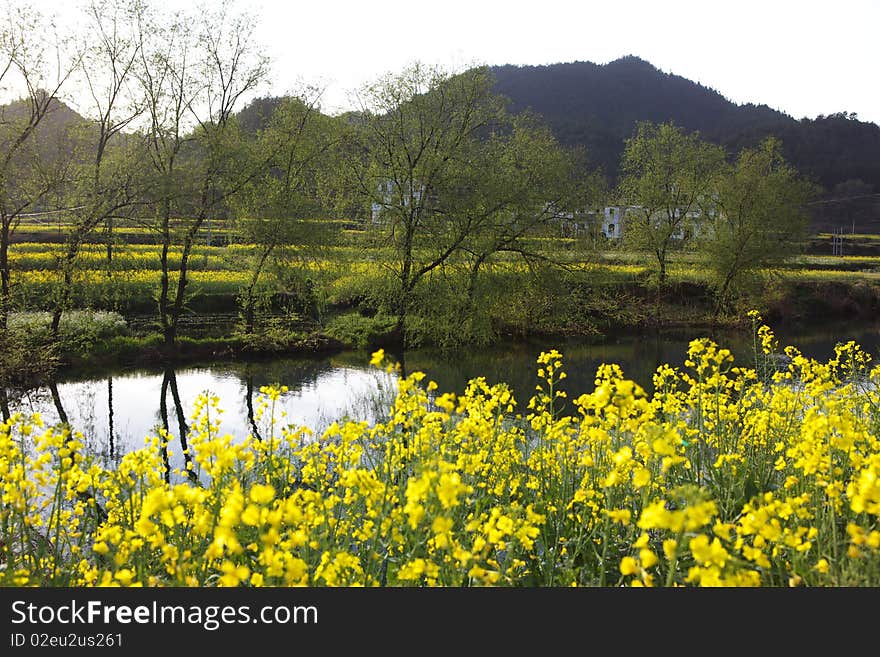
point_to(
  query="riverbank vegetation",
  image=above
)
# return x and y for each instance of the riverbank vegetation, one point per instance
(340, 299)
(728, 474)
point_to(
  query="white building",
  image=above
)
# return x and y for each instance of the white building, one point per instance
(695, 223)
(388, 195)
(607, 222)
(613, 217)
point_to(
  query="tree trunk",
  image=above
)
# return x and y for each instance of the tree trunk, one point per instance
(167, 330)
(63, 298)
(661, 258)
(5, 290)
(406, 286)
(109, 246)
(722, 295)
(67, 265)
(469, 306)
(177, 304)
(472, 279)
(249, 300)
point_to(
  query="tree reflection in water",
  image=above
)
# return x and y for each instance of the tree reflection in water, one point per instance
(169, 382)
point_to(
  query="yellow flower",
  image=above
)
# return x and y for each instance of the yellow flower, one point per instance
(647, 558)
(377, 358)
(124, 576)
(629, 566)
(620, 515)
(441, 525)
(262, 494)
(449, 488)
(641, 477)
(233, 575)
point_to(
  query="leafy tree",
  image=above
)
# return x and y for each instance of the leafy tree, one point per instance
(667, 174)
(276, 210)
(761, 219)
(453, 180)
(523, 186)
(418, 130)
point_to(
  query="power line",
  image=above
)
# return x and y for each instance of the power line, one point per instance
(45, 212)
(846, 198)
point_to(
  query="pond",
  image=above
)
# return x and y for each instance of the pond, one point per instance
(118, 409)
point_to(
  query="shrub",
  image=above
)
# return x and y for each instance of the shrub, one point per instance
(79, 332)
(355, 330)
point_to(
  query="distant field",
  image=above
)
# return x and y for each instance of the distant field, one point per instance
(861, 237)
(851, 244)
(214, 231)
(348, 268)
(135, 268)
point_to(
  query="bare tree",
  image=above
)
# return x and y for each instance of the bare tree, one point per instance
(107, 185)
(168, 75)
(34, 66)
(195, 70)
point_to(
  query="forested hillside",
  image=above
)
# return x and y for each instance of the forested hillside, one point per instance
(597, 106)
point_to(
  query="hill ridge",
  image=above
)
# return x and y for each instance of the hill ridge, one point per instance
(598, 105)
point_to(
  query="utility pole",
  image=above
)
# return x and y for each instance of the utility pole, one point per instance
(837, 241)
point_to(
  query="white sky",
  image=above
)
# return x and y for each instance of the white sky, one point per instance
(802, 57)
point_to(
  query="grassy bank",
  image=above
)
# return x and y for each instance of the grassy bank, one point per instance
(95, 339)
(340, 297)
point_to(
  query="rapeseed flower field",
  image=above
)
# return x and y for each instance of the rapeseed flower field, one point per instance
(755, 474)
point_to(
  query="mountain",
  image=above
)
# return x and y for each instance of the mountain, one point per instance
(56, 133)
(58, 113)
(597, 106)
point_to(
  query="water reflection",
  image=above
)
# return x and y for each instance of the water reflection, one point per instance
(638, 355)
(249, 401)
(169, 383)
(118, 410)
